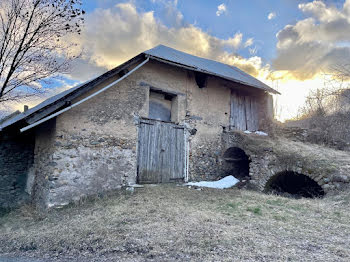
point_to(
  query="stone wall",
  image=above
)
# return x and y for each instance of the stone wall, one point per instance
(328, 167)
(16, 160)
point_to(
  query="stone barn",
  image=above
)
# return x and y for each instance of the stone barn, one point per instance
(163, 116)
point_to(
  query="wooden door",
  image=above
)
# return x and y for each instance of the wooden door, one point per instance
(161, 152)
(244, 112)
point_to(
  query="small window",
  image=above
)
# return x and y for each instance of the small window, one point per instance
(201, 79)
(160, 106)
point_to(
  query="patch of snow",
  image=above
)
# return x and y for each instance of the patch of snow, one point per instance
(260, 133)
(136, 185)
(226, 182)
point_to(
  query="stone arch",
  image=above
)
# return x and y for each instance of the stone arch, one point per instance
(236, 162)
(290, 183)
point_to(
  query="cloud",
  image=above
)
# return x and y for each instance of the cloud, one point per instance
(271, 16)
(84, 69)
(112, 36)
(316, 43)
(253, 51)
(221, 9)
(253, 65)
(249, 42)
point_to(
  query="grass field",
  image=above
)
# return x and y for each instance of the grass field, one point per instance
(173, 223)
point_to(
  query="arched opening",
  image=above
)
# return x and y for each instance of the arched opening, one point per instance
(236, 163)
(292, 184)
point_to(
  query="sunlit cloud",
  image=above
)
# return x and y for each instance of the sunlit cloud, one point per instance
(314, 44)
(114, 35)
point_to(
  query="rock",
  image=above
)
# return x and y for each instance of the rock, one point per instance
(130, 190)
(341, 178)
(326, 187)
(52, 163)
(337, 185)
(68, 145)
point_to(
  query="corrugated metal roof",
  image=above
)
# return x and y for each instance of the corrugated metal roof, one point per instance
(207, 66)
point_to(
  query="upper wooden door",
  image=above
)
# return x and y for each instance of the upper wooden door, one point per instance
(244, 112)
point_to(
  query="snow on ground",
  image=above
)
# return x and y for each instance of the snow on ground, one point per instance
(260, 133)
(226, 182)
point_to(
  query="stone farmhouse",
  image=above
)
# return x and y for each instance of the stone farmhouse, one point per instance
(163, 116)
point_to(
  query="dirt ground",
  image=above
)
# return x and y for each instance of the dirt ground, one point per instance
(176, 223)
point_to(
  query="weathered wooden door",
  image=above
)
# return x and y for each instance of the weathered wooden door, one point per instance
(244, 112)
(161, 152)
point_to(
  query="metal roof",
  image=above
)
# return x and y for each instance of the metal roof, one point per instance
(207, 66)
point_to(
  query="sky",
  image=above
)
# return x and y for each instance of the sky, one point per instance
(288, 44)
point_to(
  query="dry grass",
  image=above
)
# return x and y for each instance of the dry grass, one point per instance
(168, 223)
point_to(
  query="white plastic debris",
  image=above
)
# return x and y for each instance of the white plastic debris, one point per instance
(226, 182)
(247, 132)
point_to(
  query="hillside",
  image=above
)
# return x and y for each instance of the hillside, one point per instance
(173, 223)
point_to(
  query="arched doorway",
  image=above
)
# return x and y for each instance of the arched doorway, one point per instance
(293, 184)
(236, 163)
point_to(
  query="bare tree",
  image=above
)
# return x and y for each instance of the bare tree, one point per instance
(333, 97)
(327, 109)
(32, 43)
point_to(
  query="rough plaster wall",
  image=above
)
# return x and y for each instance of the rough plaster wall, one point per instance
(209, 115)
(16, 160)
(93, 148)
